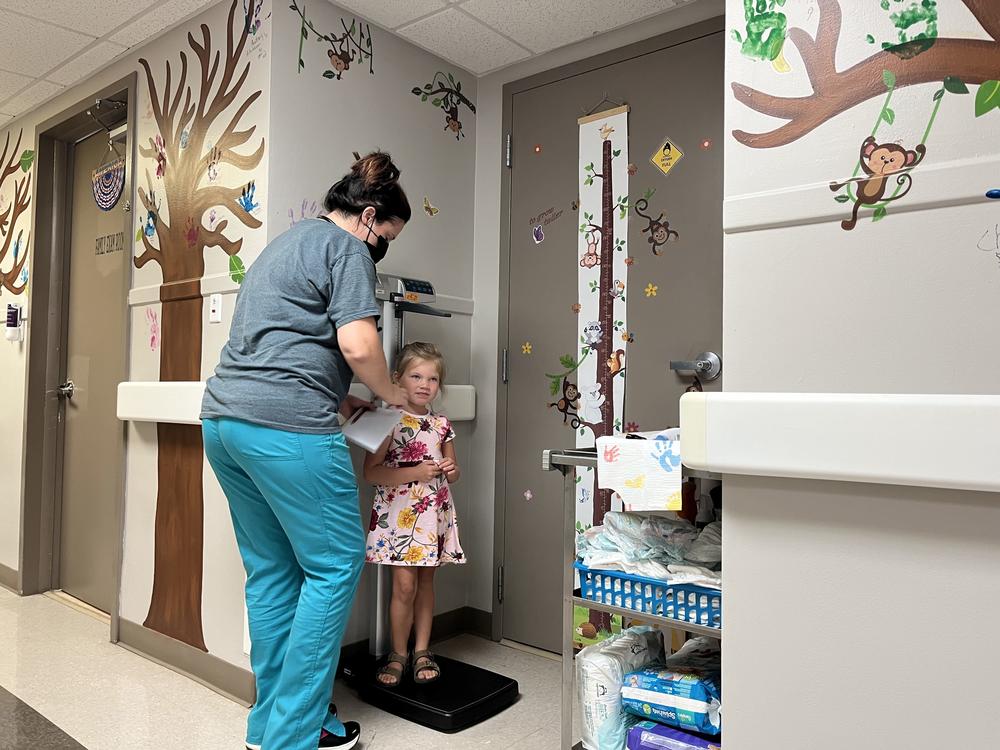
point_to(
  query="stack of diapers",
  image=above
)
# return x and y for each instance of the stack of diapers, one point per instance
(686, 693)
(600, 671)
(706, 550)
(649, 736)
(640, 545)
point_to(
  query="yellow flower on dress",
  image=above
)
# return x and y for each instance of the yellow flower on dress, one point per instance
(414, 555)
(406, 518)
(651, 290)
(412, 422)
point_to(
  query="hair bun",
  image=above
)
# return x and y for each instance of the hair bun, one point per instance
(376, 169)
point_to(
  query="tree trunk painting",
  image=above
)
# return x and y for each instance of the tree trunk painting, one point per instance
(175, 237)
(13, 241)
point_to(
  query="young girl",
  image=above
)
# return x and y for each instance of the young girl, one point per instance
(413, 525)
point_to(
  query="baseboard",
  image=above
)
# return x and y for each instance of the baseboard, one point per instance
(9, 578)
(446, 625)
(227, 679)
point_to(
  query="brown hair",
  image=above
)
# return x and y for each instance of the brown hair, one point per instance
(419, 350)
(373, 181)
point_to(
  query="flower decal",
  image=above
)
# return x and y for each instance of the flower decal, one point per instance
(651, 290)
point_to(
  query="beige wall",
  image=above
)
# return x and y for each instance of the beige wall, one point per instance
(839, 596)
(317, 123)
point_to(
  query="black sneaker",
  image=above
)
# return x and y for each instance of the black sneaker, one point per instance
(326, 739)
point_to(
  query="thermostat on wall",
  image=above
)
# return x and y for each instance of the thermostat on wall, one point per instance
(14, 327)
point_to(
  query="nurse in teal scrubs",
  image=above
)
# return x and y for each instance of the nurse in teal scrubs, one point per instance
(303, 327)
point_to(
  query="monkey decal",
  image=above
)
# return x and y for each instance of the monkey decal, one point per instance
(593, 334)
(569, 404)
(616, 362)
(880, 161)
(659, 229)
(445, 92)
(452, 123)
(340, 60)
(592, 256)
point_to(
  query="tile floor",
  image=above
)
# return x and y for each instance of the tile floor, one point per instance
(57, 662)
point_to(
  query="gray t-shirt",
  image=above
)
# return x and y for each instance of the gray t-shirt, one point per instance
(282, 366)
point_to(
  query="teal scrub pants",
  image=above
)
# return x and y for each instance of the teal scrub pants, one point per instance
(294, 503)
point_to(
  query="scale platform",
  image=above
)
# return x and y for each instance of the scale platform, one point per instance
(463, 696)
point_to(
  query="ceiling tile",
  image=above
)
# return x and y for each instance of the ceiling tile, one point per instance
(392, 13)
(545, 26)
(31, 97)
(86, 63)
(5, 118)
(11, 83)
(154, 21)
(464, 41)
(35, 47)
(94, 18)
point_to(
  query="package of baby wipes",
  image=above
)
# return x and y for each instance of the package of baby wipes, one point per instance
(648, 735)
(686, 693)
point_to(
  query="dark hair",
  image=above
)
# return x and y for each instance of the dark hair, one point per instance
(373, 181)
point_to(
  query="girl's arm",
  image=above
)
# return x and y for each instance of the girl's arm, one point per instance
(376, 472)
(450, 463)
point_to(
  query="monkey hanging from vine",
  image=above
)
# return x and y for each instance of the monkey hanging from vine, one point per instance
(450, 100)
(353, 45)
(658, 229)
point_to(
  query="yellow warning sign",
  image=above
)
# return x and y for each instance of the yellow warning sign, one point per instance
(666, 156)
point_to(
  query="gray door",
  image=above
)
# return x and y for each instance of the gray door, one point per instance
(99, 256)
(675, 92)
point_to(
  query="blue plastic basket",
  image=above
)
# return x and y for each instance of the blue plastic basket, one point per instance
(685, 602)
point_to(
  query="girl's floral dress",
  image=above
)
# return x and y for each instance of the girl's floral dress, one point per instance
(415, 524)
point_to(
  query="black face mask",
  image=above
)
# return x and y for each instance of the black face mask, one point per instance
(381, 246)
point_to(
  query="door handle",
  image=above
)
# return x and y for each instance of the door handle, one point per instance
(707, 365)
(66, 390)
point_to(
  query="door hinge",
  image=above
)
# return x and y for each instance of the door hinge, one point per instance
(508, 159)
(500, 584)
(503, 367)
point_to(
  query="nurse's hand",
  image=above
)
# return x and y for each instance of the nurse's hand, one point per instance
(352, 404)
(397, 397)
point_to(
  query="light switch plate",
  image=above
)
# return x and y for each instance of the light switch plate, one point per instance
(215, 308)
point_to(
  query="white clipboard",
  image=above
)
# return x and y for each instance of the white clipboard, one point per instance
(368, 429)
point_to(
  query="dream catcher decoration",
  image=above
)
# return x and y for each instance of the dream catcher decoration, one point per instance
(109, 179)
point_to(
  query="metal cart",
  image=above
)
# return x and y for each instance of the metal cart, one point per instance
(567, 461)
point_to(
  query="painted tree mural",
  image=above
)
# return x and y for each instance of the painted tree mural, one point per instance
(927, 59)
(917, 55)
(13, 241)
(175, 238)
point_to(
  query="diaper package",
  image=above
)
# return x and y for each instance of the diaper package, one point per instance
(685, 693)
(647, 735)
(600, 670)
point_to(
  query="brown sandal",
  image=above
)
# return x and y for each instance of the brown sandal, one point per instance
(423, 661)
(394, 667)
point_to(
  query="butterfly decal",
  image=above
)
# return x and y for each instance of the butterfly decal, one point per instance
(430, 210)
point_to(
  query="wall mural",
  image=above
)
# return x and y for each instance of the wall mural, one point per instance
(187, 193)
(13, 240)
(354, 44)
(917, 55)
(445, 92)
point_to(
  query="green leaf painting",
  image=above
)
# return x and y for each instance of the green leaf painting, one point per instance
(888, 115)
(237, 271)
(889, 78)
(879, 214)
(27, 159)
(987, 97)
(955, 85)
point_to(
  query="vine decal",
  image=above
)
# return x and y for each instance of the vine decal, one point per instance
(445, 92)
(353, 45)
